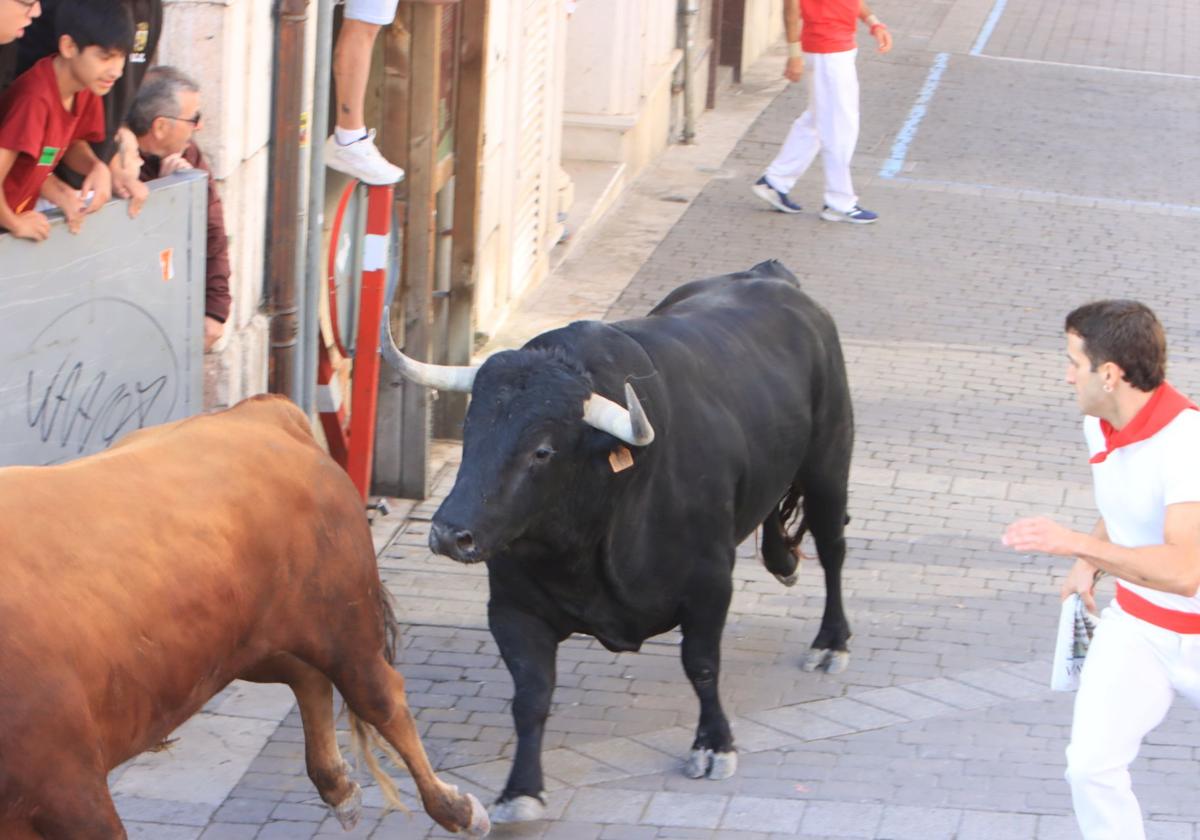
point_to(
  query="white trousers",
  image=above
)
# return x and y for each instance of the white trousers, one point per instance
(1130, 677)
(829, 126)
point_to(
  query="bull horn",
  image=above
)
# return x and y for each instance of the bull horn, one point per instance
(628, 424)
(442, 377)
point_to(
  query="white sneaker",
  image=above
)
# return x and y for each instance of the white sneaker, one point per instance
(361, 160)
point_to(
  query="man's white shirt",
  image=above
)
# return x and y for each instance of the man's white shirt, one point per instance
(1135, 484)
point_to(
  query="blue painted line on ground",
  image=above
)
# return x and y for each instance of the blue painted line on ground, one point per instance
(988, 26)
(908, 131)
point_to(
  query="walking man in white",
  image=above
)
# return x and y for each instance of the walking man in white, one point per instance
(1144, 441)
(351, 148)
(823, 51)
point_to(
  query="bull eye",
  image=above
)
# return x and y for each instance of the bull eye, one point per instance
(542, 454)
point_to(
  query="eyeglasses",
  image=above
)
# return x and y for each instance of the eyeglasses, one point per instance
(195, 121)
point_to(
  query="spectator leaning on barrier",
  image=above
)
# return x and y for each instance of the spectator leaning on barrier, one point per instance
(118, 149)
(164, 116)
(52, 111)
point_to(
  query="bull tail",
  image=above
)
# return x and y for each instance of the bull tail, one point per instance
(391, 627)
(364, 738)
(789, 509)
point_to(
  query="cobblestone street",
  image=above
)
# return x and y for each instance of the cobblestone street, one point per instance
(1024, 157)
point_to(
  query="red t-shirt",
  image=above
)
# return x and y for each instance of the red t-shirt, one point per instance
(34, 123)
(828, 26)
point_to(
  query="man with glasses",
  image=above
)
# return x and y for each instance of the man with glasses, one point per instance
(164, 116)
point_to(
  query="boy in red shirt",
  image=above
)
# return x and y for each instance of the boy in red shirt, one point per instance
(52, 112)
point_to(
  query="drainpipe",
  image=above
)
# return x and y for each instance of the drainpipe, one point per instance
(687, 13)
(310, 330)
(285, 214)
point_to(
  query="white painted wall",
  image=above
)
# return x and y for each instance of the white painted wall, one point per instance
(227, 47)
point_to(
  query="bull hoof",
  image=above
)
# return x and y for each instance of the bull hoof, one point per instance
(704, 763)
(697, 764)
(349, 809)
(830, 661)
(480, 825)
(788, 580)
(517, 810)
(724, 765)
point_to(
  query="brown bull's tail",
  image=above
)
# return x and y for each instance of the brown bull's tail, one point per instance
(391, 627)
(364, 741)
(364, 738)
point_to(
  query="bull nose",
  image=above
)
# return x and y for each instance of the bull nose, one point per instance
(455, 543)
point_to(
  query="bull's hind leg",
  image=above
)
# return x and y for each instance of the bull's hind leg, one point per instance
(825, 514)
(327, 769)
(702, 624)
(374, 691)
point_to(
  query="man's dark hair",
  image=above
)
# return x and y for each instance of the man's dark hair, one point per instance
(1125, 333)
(107, 24)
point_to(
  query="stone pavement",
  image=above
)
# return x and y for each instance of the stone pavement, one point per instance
(1024, 157)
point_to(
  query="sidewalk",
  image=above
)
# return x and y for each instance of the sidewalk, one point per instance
(999, 211)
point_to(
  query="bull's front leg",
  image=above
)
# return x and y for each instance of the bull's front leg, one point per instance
(529, 647)
(713, 754)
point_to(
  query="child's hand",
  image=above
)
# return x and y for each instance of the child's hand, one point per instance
(31, 225)
(99, 184)
(69, 201)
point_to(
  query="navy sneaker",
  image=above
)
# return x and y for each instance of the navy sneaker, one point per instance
(774, 197)
(855, 215)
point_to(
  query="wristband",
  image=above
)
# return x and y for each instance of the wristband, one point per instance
(876, 26)
(794, 50)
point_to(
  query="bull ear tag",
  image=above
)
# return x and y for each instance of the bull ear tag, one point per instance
(620, 459)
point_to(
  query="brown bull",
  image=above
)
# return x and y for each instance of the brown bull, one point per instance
(137, 583)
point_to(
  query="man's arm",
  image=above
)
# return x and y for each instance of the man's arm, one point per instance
(879, 30)
(794, 69)
(1082, 578)
(1173, 566)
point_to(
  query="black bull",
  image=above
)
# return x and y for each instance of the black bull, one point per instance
(743, 380)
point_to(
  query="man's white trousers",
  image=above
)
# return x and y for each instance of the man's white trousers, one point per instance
(1130, 677)
(828, 126)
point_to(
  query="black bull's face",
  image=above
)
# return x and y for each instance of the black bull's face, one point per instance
(531, 466)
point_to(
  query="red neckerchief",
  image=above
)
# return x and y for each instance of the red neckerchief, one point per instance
(1163, 407)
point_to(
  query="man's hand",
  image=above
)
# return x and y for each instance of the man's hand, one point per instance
(69, 201)
(213, 330)
(172, 164)
(1041, 535)
(882, 37)
(99, 184)
(1081, 579)
(31, 225)
(794, 69)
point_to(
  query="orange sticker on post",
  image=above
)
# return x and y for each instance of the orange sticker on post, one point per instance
(166, 260)
(620, 459)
